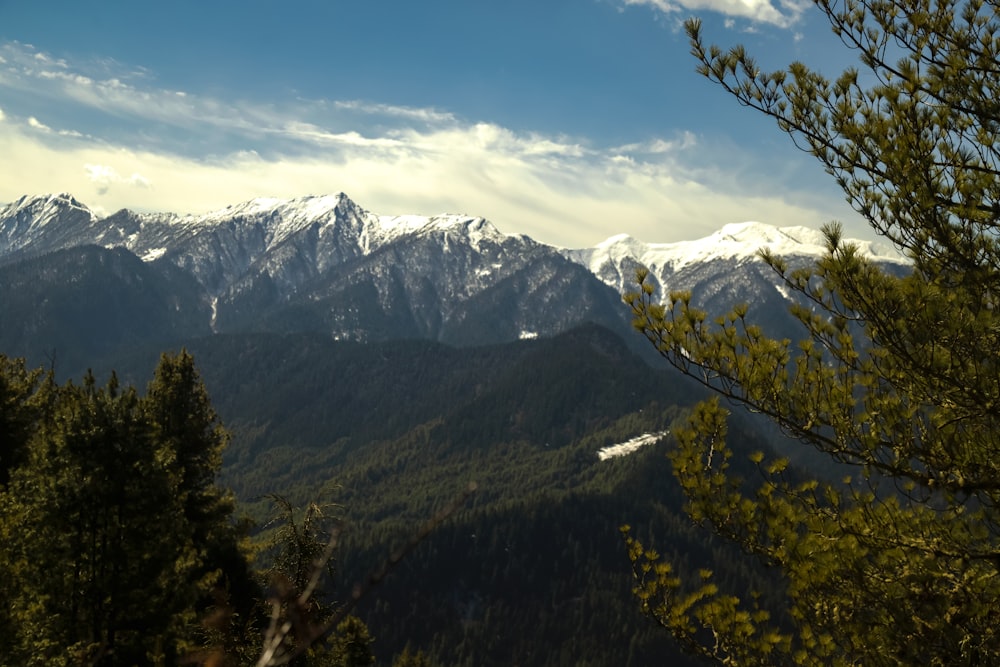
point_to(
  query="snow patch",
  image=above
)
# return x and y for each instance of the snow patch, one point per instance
(629, 446)
(215, 314)
(153, 254)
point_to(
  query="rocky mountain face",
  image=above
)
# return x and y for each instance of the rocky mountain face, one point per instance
(725, 268)
(325, 264)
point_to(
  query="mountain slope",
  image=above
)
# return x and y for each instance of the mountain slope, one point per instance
(71, 307)
(381, 363)
(532, 570)
(325, 264)
(725, 269)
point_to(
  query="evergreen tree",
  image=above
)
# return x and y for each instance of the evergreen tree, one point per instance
(301, 564)
(23, 396)
(99, 544)
(22, 399)
(408, 659)
(116, 533)
(184, 424)
(897, 377)
(351, 644)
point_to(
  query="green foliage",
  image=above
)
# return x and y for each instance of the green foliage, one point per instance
(352, 644)
(896, 376)
(297, 545)
(23, 399)
(23, 396)
(298, 561)
(408, 659)
(116, 535)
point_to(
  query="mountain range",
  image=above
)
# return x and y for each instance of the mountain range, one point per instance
(325, 264)
(380, 363)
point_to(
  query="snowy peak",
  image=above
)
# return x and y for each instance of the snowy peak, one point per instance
(744, 240)
(268, 253)
(44, 208)
(280, 219)
(751, 233)
(37, 219)
(475, 229)
(324, 263)
(615, 260)
(42, 203)
(289, 213)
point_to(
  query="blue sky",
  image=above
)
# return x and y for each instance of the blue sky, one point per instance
(568, 120)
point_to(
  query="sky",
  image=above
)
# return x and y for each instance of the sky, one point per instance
(567, 120)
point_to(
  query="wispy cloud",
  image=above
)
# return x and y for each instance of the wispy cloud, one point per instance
(104, 177)
(150, 149)
(422, 115)
(36, 124)
(783, 14)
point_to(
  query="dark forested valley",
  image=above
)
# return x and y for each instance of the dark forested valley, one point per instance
(531, 569)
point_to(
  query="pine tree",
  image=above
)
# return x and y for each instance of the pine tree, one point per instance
(184, 422)
(117, 535)
(24, 395)
(895, 376)
(99, 543)
(351, 644)
(408, 659)
(22, 400)
(187, 429)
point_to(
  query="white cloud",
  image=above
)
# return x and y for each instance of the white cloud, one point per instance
(659, 145)
(45, 59)
(423, 115)
(104, 177)
(38, 125)
(560, 190)
(564, 197)
(783, 15)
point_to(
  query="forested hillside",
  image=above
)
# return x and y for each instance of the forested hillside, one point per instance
(532, 570)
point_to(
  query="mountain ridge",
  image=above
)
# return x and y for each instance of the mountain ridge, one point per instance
(282, 218)
(324, 263)
(615, 259)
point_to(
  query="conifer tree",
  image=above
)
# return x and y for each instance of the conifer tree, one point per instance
(184, 422)
(186, 427)
(408, 659)
(100, 542)
(22, 400)
(116, 535)
(23, 397)
(897, 377)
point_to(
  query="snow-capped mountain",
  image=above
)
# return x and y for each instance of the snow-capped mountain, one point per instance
(725, 268)
(269, 265)
(326, 264)
(615, 260)
(41, 223)
(291, 240)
